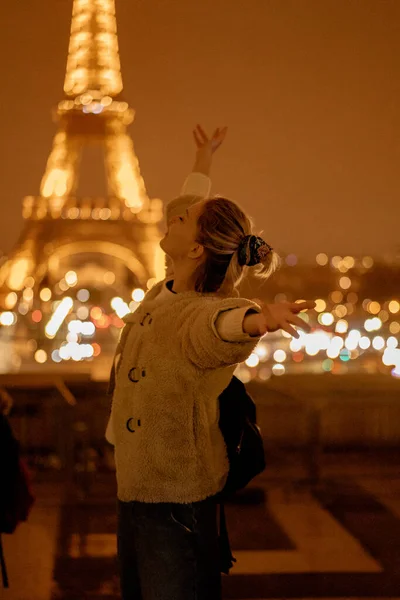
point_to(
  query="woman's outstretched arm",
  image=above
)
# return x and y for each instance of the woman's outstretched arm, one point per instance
(197, 185)
(281, 315)
(206, 147)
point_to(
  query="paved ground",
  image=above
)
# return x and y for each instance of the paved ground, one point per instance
(337, 539)
(30, 552)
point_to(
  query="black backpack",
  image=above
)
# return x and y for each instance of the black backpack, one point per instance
(242, 435)
(245, 448)
(16, 496)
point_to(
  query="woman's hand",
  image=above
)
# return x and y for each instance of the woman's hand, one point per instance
(281, 315)
(206, 147)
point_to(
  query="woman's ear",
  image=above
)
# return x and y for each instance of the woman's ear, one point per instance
(196, 251)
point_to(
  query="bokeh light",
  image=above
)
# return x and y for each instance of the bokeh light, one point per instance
(45, 294)
(83, 295)
(252, 360)
(394, 306)
(320, 305)
(71, 278)
(345, 282)
(7, 318)
(280, 356)
(326, 319)
(322, 259)
(40, 356)
(138, 294)
(278, 369)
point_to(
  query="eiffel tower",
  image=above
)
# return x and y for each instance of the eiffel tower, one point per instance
(82, 259)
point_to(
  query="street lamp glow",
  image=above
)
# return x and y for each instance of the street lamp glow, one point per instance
(279, 356)
(253, 360)
(262, 351)
(120, 307)
(392, 342)
(7, 319)
(138, 295)
(394, 306)
(326, 319)
(45, 294)
(341, 326)
(71, 278)
(58, 316)
(378, 342)
(364, 342)
(40, 356)
(278, 369)
(320, 305)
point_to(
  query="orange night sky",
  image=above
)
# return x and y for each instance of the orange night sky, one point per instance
(310, 90)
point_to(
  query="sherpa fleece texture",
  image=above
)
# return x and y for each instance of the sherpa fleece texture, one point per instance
(165, 412)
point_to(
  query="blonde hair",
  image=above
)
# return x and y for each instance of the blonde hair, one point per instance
(221, 228)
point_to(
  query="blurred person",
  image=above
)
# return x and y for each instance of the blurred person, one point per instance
(176, 355)
(6, 403)
(16, 497)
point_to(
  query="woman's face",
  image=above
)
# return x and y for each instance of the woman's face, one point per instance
(180, 240)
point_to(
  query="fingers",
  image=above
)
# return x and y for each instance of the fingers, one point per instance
(297, 307)
(287, 326)
(291, 330)
(201, 138)
(197, 139)
(202, 134)
(215, 140)
(300, 323)
(219, 135)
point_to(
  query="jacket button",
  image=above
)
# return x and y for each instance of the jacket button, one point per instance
(136, 373)
(147, 317)
(132, 423)
(133, 375)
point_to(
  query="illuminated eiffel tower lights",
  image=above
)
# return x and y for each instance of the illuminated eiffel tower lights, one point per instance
(76, 252)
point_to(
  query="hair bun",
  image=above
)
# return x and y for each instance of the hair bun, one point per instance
(252, 250)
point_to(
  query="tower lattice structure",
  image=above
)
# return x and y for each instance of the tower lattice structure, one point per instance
(82, 261)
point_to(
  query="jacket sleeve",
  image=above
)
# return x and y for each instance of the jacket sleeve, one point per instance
(201, 341)
(196, 187)
(229, 325)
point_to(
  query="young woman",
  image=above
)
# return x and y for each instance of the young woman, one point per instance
(177, 353)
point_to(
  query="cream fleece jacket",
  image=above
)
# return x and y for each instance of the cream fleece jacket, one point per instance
(176, 355)
(164, 418)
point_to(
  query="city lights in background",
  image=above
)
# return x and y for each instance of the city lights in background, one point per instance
(58, 316)
(68, 323)
(51, 312)
(348, 331)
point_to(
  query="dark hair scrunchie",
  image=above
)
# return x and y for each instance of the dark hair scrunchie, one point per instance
(252, 250)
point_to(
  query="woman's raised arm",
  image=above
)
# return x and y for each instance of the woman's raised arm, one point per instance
(197, 185)
(206, 147)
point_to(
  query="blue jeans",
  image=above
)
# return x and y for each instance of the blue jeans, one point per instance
(169, 551)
